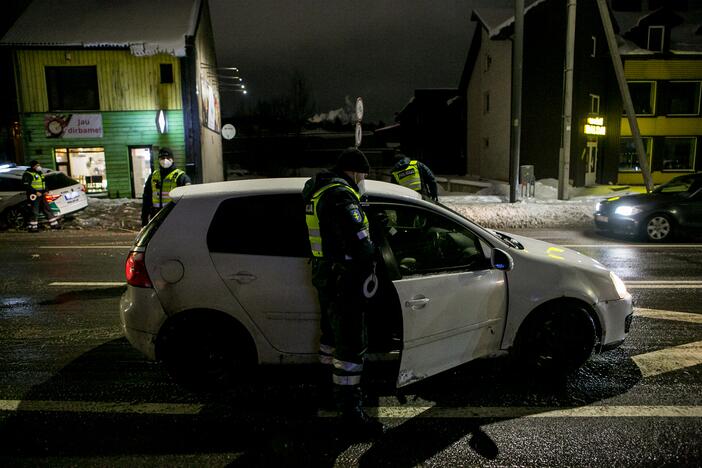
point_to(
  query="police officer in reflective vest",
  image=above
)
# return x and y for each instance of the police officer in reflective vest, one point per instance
(33, 180)
(343, 271)
(415, 175)
(158, 186)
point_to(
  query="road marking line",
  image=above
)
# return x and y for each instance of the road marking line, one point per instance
(635, 246)
(668, 315)
(100, 407)
(664, 282)
(664, 286)
(85, 246)
(87, 283)
(669, 359)
(394, 412)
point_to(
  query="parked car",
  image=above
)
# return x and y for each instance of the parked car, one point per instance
(220, 280)
(670, 209)
(65, 195)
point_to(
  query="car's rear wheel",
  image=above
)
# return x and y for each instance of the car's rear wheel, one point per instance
(15, 217)
(557, 339)
(658, 228)
(204, 350)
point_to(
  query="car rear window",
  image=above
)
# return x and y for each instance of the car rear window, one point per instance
(150, 229)
(272, 225)
(57, 180)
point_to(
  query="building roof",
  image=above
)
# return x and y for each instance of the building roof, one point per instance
(685, 29)
(146, 27)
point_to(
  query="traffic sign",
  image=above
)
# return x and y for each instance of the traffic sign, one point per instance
(228, 131)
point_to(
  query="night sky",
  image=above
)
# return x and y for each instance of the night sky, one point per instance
(381, 50)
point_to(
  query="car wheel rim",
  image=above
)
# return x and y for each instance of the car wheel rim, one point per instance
(658, 228)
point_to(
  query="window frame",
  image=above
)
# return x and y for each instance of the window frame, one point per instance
(693, 153)
(649, 153)
(653, 95)
(699, 97)
(656, 27)
(55, 81)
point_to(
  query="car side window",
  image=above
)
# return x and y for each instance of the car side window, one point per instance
(425, 242)
(11, 185)
(271, 225)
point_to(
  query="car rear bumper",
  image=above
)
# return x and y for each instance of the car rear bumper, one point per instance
(615, 319)
(142, 316)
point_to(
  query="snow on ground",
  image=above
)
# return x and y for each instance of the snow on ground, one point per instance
(489, 207)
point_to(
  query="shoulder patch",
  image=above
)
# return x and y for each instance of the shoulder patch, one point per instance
(356, 215)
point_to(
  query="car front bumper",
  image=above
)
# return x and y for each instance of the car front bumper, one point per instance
(615, 317)
(142, 316)
(617, 224)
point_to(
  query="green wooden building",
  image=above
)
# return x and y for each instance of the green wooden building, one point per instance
(101, 90)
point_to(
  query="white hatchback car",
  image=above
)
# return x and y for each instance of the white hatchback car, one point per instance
(220, 280)
(65, 195)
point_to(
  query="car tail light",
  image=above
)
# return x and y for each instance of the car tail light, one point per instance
(135, 270)
(82, 187)
(49, 198)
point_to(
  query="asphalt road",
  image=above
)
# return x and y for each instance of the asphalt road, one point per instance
(74, 393)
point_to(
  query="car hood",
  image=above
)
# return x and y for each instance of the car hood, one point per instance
(640, 199)
(546, 252)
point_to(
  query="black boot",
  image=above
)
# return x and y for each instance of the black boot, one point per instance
(356, 424)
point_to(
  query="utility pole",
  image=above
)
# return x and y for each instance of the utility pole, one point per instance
(516, 118)
(624, 90)
(564, 155)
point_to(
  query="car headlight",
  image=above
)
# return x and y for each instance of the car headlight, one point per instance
(598, 205)
(627, 210)
(619, 285)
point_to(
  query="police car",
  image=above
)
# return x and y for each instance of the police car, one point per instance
(220, 281)
(65, 195)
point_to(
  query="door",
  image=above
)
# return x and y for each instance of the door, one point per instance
(453, 302)
(140, 159)
(591, 163)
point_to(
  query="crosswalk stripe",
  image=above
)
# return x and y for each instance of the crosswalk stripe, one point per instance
(85, 247)
(87, 283)
(668, 315)
(99, 407)
(669, 359)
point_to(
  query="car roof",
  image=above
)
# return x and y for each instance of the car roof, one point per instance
(279, 186)
(16, 172)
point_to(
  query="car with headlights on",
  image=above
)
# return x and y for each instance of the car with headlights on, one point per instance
(65, 196)
(220, 281)
(670, 209)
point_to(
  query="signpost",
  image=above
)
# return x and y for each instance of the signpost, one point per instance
(359, 117)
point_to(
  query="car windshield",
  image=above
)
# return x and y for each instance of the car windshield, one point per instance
(677, 185)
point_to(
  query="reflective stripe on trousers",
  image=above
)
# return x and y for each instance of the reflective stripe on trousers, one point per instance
(346, 372)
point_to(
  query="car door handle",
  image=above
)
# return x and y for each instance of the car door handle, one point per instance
(243, 277)
(417, 302)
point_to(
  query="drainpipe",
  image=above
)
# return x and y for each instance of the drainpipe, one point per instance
(624, 90)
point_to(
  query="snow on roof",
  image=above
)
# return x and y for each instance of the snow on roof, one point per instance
(146, 27)
(495, 20)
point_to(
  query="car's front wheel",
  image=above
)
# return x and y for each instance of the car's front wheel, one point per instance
(15, 217)
(557, 339)
(203, 350)
(658, 228)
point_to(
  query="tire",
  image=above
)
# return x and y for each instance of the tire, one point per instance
(657, 228)
(206, 352)
(15, 217)
(557, 340)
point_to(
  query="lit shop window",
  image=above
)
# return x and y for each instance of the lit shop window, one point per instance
(86, 165)
(628, 157)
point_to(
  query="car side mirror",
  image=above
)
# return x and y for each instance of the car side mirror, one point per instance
(501, 260)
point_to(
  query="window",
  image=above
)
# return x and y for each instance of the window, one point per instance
(424, 242)
(11, 184)
(593, 53)
(679, 154)
(628, 157)
(271, 225)
(686, 184)
(72, 88)
(643, 96)
(166, 73)
(594, 104)
(684, 98)
(488, 62)
(486, 102)
(86, 165)
(655, 38)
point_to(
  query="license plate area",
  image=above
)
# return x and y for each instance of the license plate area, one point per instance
(601, 218)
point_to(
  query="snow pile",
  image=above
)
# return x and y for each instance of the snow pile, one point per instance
(489, 207)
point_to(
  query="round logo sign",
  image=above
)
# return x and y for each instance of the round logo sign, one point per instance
(359, 133)
(359, 108)
(228, 131)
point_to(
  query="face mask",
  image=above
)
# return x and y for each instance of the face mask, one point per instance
(37, 168)
(165, 163)
(362, 187)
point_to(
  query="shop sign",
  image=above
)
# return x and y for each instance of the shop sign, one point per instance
(595, 126)
(73, 125)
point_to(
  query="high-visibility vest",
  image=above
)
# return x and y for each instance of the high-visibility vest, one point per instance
(409, 177)
(312, 219)
(38, 181)
(161, 197)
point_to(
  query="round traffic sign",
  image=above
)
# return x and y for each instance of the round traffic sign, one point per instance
(359, 133)
(359, 108)
(228, 131)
